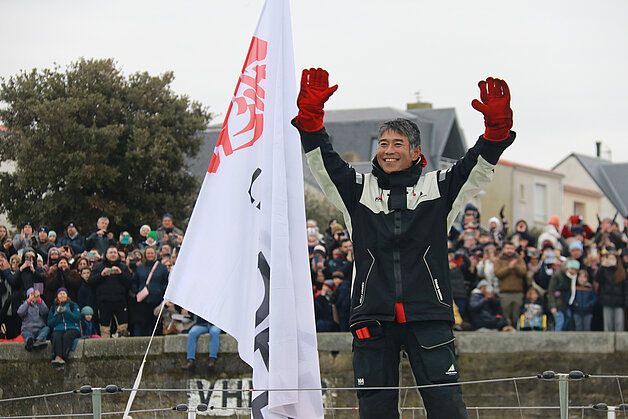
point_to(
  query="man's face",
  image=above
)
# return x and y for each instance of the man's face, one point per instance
(346, 247)
(508, 250)
(166, 222)
(521, 227)
(28, 229)
(42, 235)
(72, 230)
(85, 274)
(103, 224)
(112, 254)
(393, 152)
(165, 250)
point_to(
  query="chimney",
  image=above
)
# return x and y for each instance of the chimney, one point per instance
(598, 149)
(418, 104)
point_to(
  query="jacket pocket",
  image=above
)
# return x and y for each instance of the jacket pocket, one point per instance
(363, 285)
(436, 348)
(435, 282)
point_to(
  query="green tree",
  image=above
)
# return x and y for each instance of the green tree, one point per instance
(89, 142)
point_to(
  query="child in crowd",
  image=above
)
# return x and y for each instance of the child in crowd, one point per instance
(88, 328)
(532, 311)
(34, 313)
(86, 293)
(583, 302)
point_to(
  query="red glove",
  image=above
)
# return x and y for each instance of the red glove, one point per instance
(495, 106)
(314, 93)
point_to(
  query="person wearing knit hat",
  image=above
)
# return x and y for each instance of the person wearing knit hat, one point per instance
(88, 328)
(33, 313)
(25, 239)
(576, 251)
(73, 239)
(144, 230)
(63, 318)
(151, 240)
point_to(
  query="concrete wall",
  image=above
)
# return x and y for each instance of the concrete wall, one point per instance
(481, 356)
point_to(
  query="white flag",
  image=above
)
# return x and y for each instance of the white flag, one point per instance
(243, 264)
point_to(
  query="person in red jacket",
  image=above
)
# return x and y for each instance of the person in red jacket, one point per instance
(398, 218)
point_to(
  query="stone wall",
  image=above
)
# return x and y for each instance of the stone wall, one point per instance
(481, 356)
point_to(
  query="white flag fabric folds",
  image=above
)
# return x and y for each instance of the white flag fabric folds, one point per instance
(243, 264)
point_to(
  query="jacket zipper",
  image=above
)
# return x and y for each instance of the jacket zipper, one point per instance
(437, 290)
(397, 259)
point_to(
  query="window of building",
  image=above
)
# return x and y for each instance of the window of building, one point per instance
(579, 208)
(540, 202)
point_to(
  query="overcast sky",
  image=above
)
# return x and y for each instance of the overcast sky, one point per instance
(565, 61)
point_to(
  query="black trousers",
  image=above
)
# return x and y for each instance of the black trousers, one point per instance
(430, 350)
(109, 311)
(62, 341)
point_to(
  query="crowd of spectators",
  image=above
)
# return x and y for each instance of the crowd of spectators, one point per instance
(569, 277)
(69, 286)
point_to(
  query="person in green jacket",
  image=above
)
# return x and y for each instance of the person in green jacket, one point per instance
(63, 318)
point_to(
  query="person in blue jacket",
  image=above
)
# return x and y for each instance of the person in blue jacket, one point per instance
(63, 318)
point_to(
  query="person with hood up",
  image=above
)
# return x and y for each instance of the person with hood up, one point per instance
(111, 280)
(53, 258)
(63, 318)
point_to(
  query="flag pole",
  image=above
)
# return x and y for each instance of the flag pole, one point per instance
(138, 379)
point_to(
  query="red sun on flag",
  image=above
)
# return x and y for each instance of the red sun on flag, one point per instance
(244, 125)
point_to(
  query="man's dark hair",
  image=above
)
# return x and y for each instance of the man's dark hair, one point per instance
(508, 242)
(343, 240)
(405, 127)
